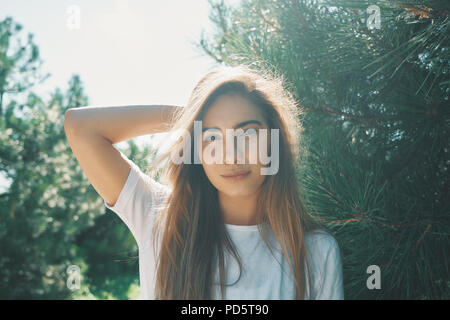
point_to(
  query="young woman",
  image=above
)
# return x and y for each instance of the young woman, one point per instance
(213, 230)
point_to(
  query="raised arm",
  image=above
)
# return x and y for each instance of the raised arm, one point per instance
(91, 132)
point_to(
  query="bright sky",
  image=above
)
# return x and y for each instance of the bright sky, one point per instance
(126, 52)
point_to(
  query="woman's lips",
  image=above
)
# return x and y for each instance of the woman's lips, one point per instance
(236, 176)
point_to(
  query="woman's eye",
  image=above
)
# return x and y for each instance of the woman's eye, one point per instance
(211, 138)
(249, 132)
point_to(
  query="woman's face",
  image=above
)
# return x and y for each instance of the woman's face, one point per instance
(232, 112)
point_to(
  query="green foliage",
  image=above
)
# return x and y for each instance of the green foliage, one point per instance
(19, 61)
(111, 256)
(377, 126)
(50, 216)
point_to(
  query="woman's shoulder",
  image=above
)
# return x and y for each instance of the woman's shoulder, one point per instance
(157, 189)
(160, 188)
(325, 262)
(160, 191)
(319, 235)
(320, 243)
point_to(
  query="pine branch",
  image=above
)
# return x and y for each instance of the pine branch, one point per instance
(272, 24)
(300, 19)
(338, 114)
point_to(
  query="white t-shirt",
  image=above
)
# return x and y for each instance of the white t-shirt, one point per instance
(263, 277)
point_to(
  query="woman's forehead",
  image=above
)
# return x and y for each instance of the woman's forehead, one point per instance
(229, 111)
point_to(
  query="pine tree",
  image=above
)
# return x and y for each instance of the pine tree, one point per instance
(372, 78)
(50, 216)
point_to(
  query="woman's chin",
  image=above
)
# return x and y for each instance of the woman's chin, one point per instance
(238, 191)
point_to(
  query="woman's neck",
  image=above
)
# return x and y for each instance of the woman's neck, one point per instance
(239, 210)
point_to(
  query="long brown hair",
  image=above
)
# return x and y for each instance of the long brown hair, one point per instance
(194, 237)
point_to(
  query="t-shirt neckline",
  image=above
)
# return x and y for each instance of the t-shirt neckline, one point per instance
(253, 227)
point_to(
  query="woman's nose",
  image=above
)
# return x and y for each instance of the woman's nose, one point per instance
(234, 153)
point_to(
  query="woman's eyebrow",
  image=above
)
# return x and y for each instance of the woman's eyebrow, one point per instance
(239, 125)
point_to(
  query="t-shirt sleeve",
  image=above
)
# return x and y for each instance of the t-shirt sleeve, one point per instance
(328, 282)
(138, 200)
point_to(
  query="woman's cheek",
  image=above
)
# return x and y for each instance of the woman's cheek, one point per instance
(259, 178)
(213, 175)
